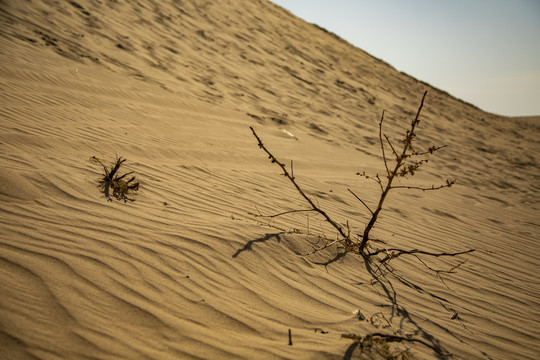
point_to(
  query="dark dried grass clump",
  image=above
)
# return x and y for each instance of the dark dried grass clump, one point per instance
(121, 186)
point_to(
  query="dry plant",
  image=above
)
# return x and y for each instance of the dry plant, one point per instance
(120, 185)
(405, 164)
(378, 344)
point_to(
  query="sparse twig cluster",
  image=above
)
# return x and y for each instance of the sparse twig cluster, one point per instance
(404, 164)
(121, 185)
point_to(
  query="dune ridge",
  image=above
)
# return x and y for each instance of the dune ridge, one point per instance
(185, 271)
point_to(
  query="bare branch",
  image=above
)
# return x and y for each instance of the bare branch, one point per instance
(430, 150)
(394, 253)
(391, 146)
(362, 201)
(325, 246)
(438, 272)
(375, 178)
(382, 145)
(433, 187)
(280, 214)
(286, 173)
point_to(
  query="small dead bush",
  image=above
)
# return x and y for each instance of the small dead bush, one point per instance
(121, 185)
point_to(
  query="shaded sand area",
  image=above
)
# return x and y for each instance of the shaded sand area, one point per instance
(184, 270)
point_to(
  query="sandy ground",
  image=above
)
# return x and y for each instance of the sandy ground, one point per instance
(184, 270)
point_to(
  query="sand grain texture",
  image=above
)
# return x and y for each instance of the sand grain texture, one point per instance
(184, 271)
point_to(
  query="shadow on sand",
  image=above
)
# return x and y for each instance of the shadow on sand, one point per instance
(384, 278)
(263, 239)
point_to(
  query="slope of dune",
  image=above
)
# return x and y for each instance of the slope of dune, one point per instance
(185, 270)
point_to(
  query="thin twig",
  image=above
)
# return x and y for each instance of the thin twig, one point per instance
(325, 246)
(288, 176)
(394, 253)
(382, 145)
(391, 146)
(433, 187)
(280, 214)
(379, 181)
(438, 272)
(123, 176)
(429, 151)
(362, 201)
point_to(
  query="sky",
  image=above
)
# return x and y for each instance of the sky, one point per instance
(485, 52)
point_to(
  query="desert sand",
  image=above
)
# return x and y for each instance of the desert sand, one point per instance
(185, 270)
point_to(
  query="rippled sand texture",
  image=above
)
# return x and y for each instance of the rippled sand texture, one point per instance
(185, 271)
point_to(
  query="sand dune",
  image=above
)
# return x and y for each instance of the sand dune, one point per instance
(185, 271)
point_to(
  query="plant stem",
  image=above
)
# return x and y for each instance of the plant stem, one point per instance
(391, 176)
(293, 181)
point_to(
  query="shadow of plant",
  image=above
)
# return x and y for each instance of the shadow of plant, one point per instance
(383, 275)
(250, 243)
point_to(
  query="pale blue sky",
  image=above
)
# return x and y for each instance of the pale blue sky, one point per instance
(486, 52)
